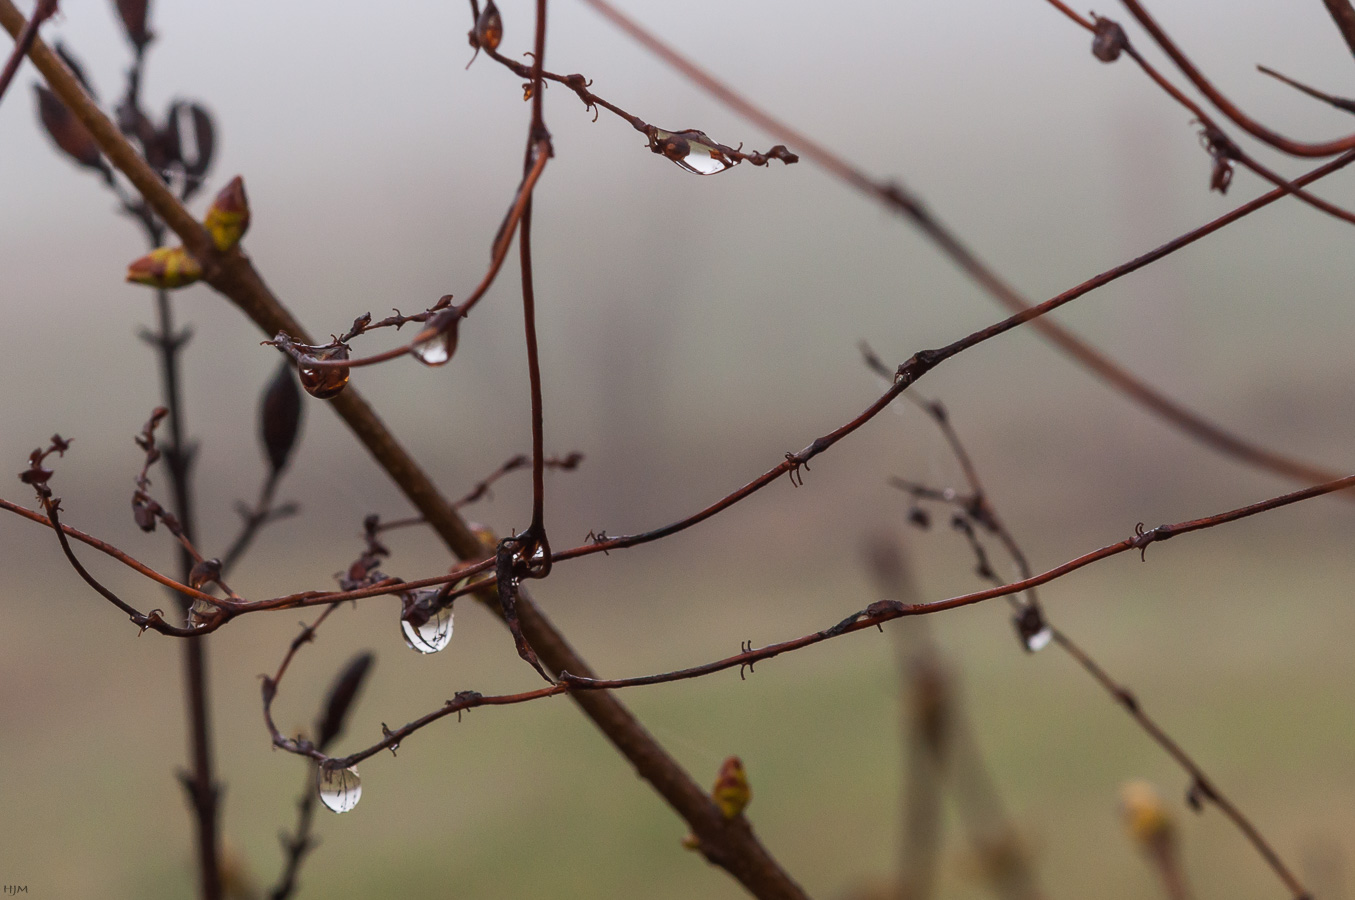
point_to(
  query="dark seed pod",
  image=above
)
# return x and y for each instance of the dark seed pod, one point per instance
(204, 140)
(76, 69)
(919, 518)
(1109, 42)
(280, 417)
(342, 695)
(67, 132)
(133, 15)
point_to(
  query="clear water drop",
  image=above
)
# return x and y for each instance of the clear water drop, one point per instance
(692, 150)
(1032, 629)
(328, 382)
(201, 612)
(1039, 640)
(433, 352)
(425, 629)
(340, 789)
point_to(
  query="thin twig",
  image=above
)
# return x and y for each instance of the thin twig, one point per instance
(897, 199)
(1224, 105)
(980, 509)
(874, 615)
(1340, 103)
(41, 13)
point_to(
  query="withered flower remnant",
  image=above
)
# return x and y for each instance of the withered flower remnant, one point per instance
(165, 267)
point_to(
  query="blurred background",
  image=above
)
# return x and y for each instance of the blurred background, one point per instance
(693, 330)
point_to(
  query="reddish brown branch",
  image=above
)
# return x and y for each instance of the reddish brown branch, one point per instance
(1224, 105)
(1202, 785)
(980, 512)
(454, 314)
(896, 198)
(1340, 103)
(870, 617)
(41, 13)
(104, 547)
(1343, 14)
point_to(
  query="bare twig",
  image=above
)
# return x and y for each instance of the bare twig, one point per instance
(1338, 102)
(728, 843)
(41, 13)
(980, 510)
(1344, 16)
(896, 198)
(1227, 107)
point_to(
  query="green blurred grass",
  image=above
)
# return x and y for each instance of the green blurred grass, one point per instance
(1239, 647)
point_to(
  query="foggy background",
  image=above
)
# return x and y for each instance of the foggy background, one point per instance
(692, 331)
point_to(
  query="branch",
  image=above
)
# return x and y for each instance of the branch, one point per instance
(41, 13)
(898, 200)
(872, 616)
(980, 511)
(1224, 105)
(1344, 16)
(728, 843)
(1339, 102)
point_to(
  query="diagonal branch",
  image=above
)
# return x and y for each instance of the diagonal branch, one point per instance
(1226, 106)
(1343, 14)
(24, 40)
(729, 844)
(897, 199)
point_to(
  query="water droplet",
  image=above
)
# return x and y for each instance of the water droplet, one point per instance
(327, 382)
(425, 629)
(340, 789)
(489, 27)
(1031, 627)
(692, 150)
(435, 344)
(1039, 640)
(201, 612)
(433, 352)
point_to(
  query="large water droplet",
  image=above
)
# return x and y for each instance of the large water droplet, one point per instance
(325, 382)
(433, 352)
(340, 789)
(201, 612)
(425, 629)
(692, 150)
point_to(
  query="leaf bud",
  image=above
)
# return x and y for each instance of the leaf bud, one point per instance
(227, 218)
(165, 267)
